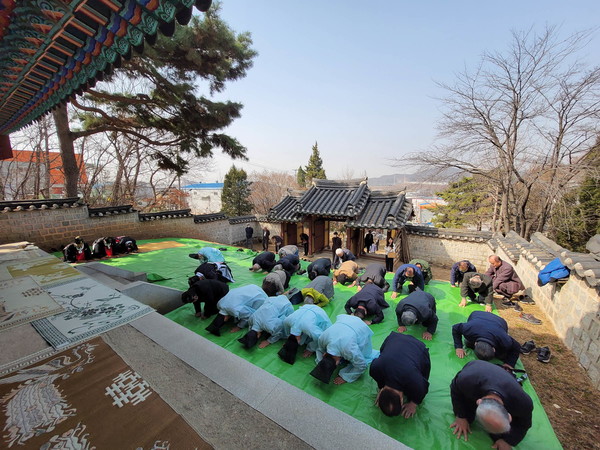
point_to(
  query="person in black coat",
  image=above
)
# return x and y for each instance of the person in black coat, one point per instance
(368, 241)
(289, 263)
(278, 241)
(376, 273)
(76, 251)
(368, 302)
(336, 242)
(265, 238)
(304, 241)
(263, 261)
(488, 393)
(488, 334)
(320, 266)
(249, 233)
(458, 270)
(418, 308)
(208, 292)
(125, 244)
(402, 374)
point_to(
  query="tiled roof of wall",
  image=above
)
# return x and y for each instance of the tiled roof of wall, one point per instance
(205, 218)
(242, 219)
(165, 215)
(450, 233)
(110, 211)
(30, 205)
(541, 250)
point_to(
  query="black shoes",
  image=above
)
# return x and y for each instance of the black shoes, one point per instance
(526, 299)
(510, 304)
(544, 354)
(528, 347)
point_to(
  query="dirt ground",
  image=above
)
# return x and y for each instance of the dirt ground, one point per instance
(565, 390)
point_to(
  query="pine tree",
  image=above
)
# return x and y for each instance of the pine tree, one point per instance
(301, 177)
(467, 204)
(236, 190)
(314, 169)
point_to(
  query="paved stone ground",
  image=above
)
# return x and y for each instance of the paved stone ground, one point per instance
(218, 416)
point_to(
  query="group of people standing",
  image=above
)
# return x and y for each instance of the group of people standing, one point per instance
(401, 368)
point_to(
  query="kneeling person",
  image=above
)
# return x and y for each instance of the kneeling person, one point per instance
(319, 291)
(478, 288)
(238, 305)
(489, 394)
(418, 308)
(264, 261)
(321, 266)
(368, 302)
(375, 273)
(208, 292)
(348, 339)
(348, 271)
(268, 319)
(303, 326)
(276, 282)
(488, 335)
(401, 371)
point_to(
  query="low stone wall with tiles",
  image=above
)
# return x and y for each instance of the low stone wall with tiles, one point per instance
(445, 247)
(52, 227)
(573, 307)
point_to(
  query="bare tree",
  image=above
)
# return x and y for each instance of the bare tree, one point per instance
(268, 188)
(524, 119)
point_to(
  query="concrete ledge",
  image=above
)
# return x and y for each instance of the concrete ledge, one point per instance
(163, 299)
(112, 271)
(307, 417)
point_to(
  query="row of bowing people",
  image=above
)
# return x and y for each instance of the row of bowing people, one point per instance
(481, 391)
(79, 250)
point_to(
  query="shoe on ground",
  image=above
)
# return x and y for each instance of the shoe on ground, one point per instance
(526, 299)
(530, 318)
(518, 307)
(544, 354)
(528, 347)
(508, 303)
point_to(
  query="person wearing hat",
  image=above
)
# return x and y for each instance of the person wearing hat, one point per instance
(264, 261)
(320, 266)
(319, 291)
(348, 271)
(303, 327)
(418, 307)
(367, 302)
(425, 269)
(478, 288)
(402, 374)
(410, 273)
(237, 305)
(488, 334)
(276, 282)
(208, 292)
(76, 251)
(374, 272)
(208, 254)
(487, 393)
(288, 250)
(458, 271)
(267, 319)
(348, 339)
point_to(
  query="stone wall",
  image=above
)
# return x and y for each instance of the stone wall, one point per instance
(51, 228)
(445, 247)
(573, 304)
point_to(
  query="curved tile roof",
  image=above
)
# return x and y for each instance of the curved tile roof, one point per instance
(51, 50)
(339, 199)
(384, 210)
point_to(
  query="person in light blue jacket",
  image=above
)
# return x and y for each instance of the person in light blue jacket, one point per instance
(238, 305)
(268, 319)
(303, 326)
(347, 340)
(208, 254)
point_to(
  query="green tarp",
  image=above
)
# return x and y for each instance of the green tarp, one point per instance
(428, 429)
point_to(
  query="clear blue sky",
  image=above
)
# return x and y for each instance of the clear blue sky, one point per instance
(359, 77)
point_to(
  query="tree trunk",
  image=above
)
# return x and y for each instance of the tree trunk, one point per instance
(67, 150)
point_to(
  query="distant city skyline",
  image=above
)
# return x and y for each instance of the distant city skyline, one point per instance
(360, 79)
